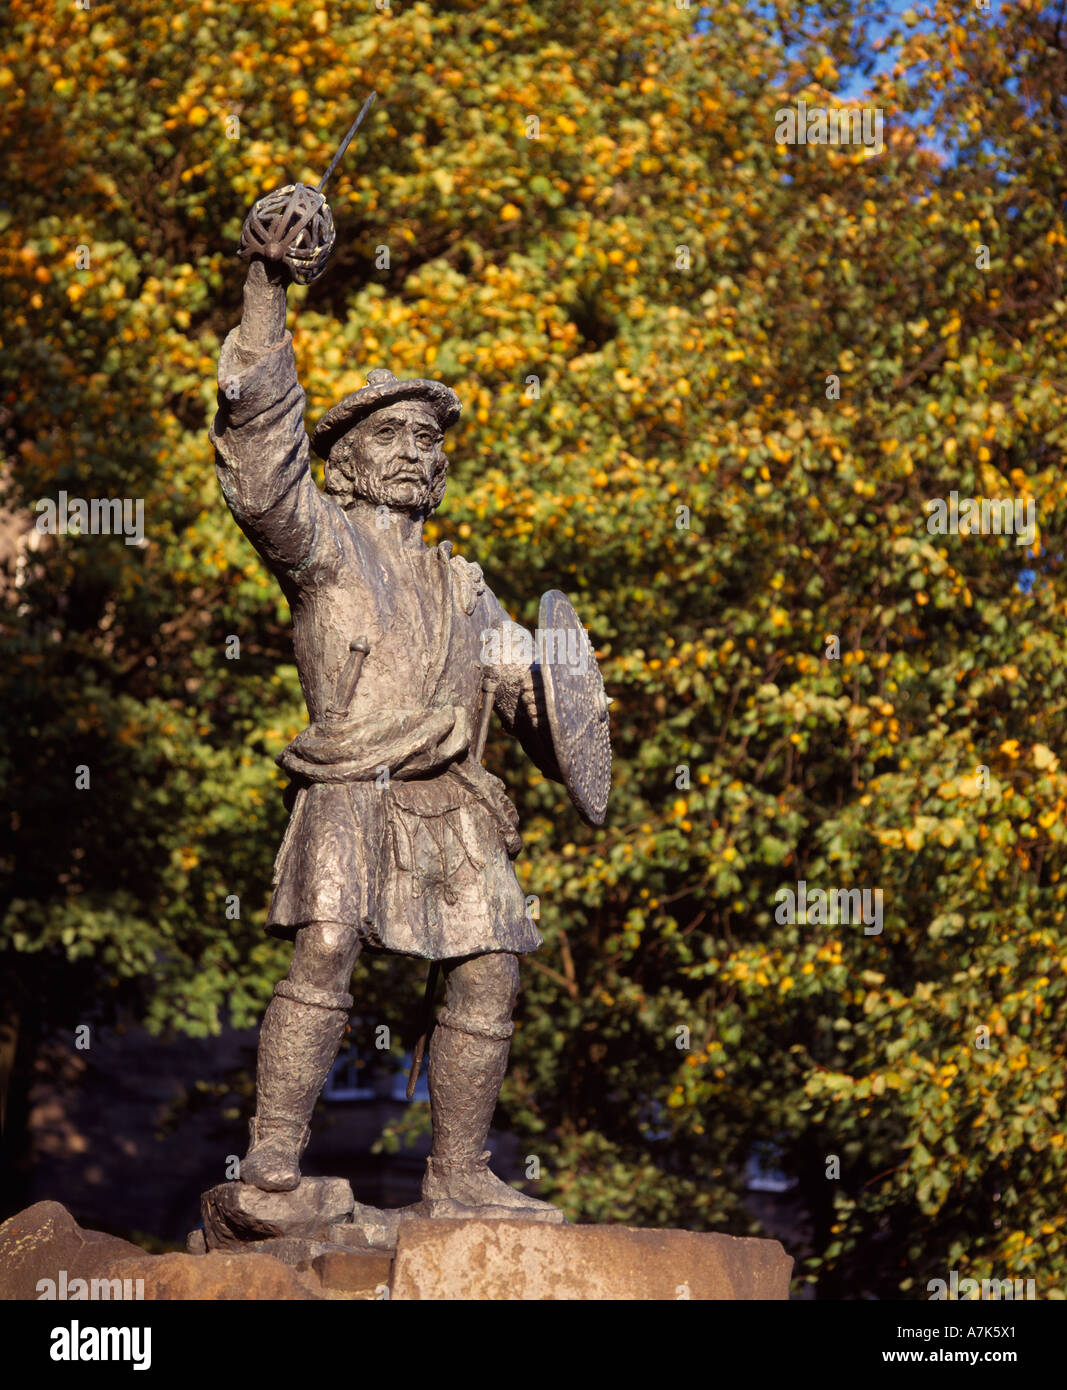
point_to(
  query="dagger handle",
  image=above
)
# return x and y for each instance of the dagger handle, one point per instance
(489, 685)
(348, 679)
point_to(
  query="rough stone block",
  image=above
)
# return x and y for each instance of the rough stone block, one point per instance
(354, 1271)
(508, 1260)
(45, 1242)
(216, 1276)
(235, 1214)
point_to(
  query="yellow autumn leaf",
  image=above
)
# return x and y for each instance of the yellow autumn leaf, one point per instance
(445, 182)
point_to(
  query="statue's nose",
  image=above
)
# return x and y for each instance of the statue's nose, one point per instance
(408, 447)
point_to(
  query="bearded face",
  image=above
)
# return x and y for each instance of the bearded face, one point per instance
(393, 458)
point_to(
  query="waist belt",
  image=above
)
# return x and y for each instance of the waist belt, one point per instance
(411, 745)
(406, 743)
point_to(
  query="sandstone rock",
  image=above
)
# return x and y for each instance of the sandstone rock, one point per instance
(217, 1276)
(235, 1213)
(436, 1259)
(507, 1260)
(45, 1242)
(356, 1272)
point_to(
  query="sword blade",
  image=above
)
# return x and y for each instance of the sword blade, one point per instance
(345, 142)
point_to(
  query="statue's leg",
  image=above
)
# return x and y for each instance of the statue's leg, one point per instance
(468, 1059)
(298, 1044)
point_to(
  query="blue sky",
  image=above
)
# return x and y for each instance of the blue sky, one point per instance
(880, 20)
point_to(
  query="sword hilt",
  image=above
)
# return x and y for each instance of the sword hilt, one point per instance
(294, 224)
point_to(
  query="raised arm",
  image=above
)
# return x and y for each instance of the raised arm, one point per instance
(261, 447)
(263, 320)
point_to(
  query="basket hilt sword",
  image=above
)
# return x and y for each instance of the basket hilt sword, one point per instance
(345, 143)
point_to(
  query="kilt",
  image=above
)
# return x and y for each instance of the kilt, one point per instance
(417, 867)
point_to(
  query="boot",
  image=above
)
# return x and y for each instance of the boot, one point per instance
(467, 1065)
(298, 1044)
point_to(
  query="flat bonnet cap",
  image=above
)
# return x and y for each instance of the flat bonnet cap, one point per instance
(383, 388)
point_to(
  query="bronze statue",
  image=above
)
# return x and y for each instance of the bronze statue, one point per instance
(398, 839)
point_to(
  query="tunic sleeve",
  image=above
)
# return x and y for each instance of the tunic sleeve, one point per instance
(261, 457)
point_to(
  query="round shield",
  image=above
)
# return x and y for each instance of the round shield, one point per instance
(577, 706)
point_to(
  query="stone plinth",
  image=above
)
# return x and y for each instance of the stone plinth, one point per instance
(508, 1260)
(44, 1253)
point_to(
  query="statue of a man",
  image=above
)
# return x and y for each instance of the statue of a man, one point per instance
(399, 839)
